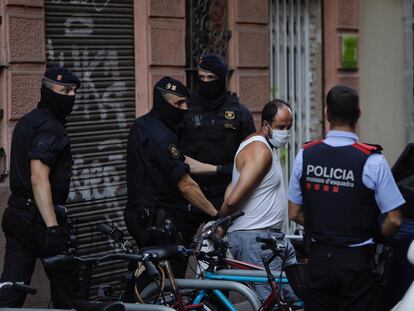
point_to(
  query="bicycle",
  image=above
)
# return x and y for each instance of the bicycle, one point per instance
(58, 261)
(164, 281)
(245, 272)
(19, 286)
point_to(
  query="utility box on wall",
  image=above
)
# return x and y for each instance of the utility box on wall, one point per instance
(349, 52)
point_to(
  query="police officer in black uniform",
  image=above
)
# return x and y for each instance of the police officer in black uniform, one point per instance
(212, 130)
(159, 185)
(40, 170)
(338, 188)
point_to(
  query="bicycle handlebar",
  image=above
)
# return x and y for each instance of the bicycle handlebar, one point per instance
(111, 231)
(147, 254)
(25, 288)
(105, 229)
(56, 261)
(228, 220)
(198, 243)
(19, 286)
(271, 243)
(224, 222)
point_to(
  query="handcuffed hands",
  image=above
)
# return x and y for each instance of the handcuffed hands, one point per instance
(215, 217)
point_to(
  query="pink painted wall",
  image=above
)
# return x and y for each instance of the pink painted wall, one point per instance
(159, 51)
(249, 53)
(22, 50)
(340, 17)
(160, 48)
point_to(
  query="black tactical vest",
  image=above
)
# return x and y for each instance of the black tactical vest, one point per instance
(338, 208)
(212, 136)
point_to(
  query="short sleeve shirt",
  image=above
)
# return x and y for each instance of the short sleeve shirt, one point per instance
(154, 164)
(39, 135)
(376, 175)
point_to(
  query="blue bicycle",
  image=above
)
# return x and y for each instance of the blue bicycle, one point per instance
(218, 264)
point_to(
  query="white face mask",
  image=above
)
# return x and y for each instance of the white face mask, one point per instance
(279, 137)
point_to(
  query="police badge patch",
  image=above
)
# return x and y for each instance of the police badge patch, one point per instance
(229, 115)
(175, 154)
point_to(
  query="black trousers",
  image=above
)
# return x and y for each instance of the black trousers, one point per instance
(185, 222)
(25, 242)
(138, 230)
(340, 278)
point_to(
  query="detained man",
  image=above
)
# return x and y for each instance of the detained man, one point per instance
(257, 188)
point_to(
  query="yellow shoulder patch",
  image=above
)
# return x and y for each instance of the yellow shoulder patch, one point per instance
(175, 154)
(229, 115)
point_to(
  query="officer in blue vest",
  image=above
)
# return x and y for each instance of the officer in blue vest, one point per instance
(338, 189)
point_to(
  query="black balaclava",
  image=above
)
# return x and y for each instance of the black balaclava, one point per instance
(60, 105)
(213, 91)
(168, 113)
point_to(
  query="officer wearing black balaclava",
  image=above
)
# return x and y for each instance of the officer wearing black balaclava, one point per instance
(60, 103)
(211, 78)
(34, 222)
(211, 131)
(159, 185)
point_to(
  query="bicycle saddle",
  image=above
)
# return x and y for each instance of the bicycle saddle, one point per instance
(162, 252)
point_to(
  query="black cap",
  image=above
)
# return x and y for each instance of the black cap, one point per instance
(62, 76)
(173, 86)
(213, 63)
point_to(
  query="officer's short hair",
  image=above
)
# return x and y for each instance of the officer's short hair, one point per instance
(342, 104)
(270, 109)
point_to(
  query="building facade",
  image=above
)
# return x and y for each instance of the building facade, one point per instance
(291, 49)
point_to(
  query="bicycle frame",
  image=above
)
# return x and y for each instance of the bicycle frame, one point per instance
(210, 285)
(179, 304)
(221, 275)
(246, 273)
(270, 301)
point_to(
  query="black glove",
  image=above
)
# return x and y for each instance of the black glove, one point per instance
(225, 169)
(215, 217)
(57, 241)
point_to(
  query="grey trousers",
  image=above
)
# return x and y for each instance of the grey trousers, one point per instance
(243, 246)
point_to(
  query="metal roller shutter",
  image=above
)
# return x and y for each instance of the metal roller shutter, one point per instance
(95, 39)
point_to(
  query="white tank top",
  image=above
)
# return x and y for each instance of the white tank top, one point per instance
(267, 205)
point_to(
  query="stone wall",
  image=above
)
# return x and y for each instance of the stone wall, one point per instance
(159, 46)
(159, 50)
(249, 53)
(340, 17)
(22, 63)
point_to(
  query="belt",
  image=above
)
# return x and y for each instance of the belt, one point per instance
(20, 202)
(29, 204)
(324, 245)
(278, 230)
